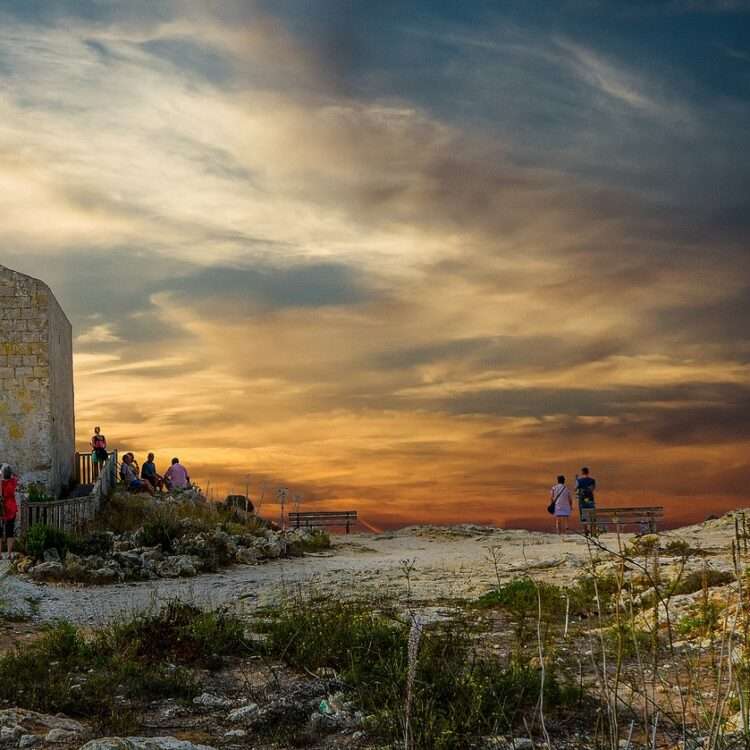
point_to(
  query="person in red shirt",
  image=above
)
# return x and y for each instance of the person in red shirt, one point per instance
(8, 485)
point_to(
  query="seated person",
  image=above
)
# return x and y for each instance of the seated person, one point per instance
(150, 475)
(176, 476)
(129, 475)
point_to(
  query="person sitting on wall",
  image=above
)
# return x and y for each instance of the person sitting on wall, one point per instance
(8, 486)
(176, 476)
(150, 475)
(98, 447)
(129, 475)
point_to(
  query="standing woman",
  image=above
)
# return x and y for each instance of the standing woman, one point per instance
(99, 453)
(560, 496)
(8, 486)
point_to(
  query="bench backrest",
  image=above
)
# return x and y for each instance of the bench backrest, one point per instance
(646, 516)
(324, 518)
(628, 512)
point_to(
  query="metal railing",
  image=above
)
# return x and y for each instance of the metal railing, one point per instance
(86, 469)
(71, 514)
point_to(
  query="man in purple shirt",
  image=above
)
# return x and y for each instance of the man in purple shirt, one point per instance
(176, 476)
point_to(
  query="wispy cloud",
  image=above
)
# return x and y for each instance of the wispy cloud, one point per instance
(275, 266)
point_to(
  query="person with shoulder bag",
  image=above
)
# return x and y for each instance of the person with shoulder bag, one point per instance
(561, 505)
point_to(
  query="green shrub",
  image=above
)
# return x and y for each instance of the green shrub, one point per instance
(583, 594)
(180, 632)
(460, 694)
(37, 493)
(143, 659)
(40, 538)
(161, 530)
(95, 543)
(318, 542)
(678, 548)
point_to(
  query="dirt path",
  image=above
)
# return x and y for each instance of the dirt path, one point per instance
(452, 563)
(446, 565)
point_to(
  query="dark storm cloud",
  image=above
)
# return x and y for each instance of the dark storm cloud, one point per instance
(695, 413)
(715, 327)
(516, 352)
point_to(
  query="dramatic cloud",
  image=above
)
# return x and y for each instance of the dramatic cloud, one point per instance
(408, 260)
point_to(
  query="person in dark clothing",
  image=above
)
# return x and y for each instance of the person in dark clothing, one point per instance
(149, 473)
(585, 486)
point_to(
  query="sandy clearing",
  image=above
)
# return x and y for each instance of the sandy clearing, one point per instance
(447, 563)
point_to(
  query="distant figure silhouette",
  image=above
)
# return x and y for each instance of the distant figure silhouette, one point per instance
(585, 486)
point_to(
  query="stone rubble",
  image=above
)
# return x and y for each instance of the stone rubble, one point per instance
(194, 553)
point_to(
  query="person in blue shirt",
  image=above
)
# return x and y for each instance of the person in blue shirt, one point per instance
(149, 473)
(585, 486)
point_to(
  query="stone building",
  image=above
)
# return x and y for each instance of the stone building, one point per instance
(37, 422)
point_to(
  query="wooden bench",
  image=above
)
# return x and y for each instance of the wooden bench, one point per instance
(645, 517)
(323, 518)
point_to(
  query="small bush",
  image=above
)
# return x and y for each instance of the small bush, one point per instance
(677, 548)
(161, 530)
(180, 632)
(95, 543)
(40, 538)
(583, 594)
(701, 621)
(318, 542)
(37, 493)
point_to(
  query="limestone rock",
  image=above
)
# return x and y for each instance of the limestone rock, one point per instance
(246, 555)
(51, 555)
(28, 740)
(104, 575)
(48, 571)
(10, 734)
(243, 714)
(59, 735)
(176, 566)
(152, 553)
(211, 701)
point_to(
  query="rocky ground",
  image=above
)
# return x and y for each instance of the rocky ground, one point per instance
(430, 568)
(440, 564)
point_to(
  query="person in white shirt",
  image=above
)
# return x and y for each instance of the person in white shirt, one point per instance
(560, 496)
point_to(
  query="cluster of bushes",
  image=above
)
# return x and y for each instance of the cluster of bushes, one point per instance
(40, 538)
(108, 677)
(460, 692)
(157, 525)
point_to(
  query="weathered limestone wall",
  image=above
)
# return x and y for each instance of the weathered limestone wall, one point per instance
(36, 382)
(62, 408)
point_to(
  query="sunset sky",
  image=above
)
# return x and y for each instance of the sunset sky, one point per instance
(410, 257)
